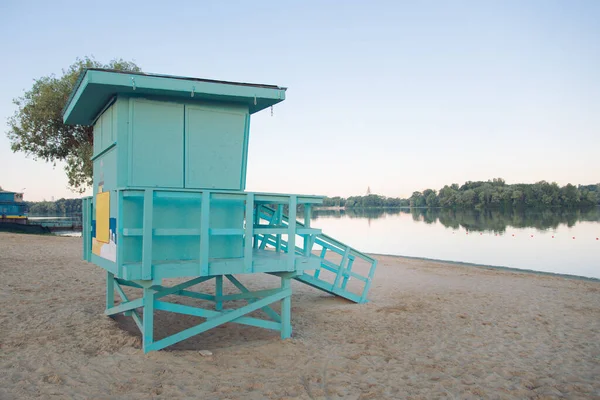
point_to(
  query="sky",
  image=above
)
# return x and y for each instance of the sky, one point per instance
(393, 96)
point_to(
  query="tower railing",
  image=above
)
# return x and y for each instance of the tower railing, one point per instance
(336, 258)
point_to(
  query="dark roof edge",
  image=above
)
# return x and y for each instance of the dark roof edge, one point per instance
(187, 78)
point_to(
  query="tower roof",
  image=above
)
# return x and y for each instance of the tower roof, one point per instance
(96, 87)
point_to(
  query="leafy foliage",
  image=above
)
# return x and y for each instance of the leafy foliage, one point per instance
(492, 194)
(58, 207)
(37, 128)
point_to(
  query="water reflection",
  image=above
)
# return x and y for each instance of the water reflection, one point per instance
(496, 221)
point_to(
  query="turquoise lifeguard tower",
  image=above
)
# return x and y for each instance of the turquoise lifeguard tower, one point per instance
(170, 157)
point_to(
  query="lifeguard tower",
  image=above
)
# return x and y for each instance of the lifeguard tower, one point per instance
(170, 156)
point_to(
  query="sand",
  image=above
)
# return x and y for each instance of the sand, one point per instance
(431, 330)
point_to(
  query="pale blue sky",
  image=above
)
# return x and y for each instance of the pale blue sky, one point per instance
(398, 95)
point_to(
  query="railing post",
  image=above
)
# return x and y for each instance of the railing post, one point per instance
(347, 274)
(342, 267)
(291, 247)
(204, 232)
(308, 236)
(256, 221)
(147, 235)
(249, 234)
(322, 256)
(278, 221)
(363, 297)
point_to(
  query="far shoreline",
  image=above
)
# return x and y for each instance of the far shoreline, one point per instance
(492, 267)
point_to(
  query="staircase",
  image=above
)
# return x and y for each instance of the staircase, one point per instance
(344, 271)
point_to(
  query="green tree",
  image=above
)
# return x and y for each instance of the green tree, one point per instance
(37, 128)
(447, 195)
(570, 195)
(468, 198)
(589, 198)
(490, 195)
(417, 199)
(431, 198)
(517, 197)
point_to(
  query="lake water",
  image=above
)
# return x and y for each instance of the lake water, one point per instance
(557, 241)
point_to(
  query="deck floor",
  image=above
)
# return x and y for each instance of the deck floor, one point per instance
(262, 261)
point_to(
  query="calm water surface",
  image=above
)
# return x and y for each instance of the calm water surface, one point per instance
(558, 241)
(529, 239)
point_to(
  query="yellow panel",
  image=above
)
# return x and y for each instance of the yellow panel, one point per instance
(96, 247)
(102, 217)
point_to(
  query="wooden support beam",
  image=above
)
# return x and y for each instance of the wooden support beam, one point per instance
(267, 310)
(110, 290)
(130, 305)
(249, 295)
(162, 291)
(133, 313)
(123, 282)
(203, 313)
(148, 321)
(286, 309)
(214, 321)
(120, 291)
(219, 292)
(196, 295)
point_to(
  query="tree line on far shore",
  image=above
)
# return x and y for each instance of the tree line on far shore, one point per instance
(58, 207)
(494, 193)
(482, 195)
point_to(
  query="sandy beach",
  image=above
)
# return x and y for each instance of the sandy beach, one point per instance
(430, 330)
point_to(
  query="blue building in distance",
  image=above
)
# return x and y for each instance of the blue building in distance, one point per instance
(12, 207)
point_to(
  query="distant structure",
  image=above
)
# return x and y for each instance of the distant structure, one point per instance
(12, 208)
(169, 173)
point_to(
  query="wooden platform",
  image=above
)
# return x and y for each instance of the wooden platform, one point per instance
(262, 261)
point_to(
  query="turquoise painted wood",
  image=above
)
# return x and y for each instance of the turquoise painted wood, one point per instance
(169, 201)
(315, 241)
